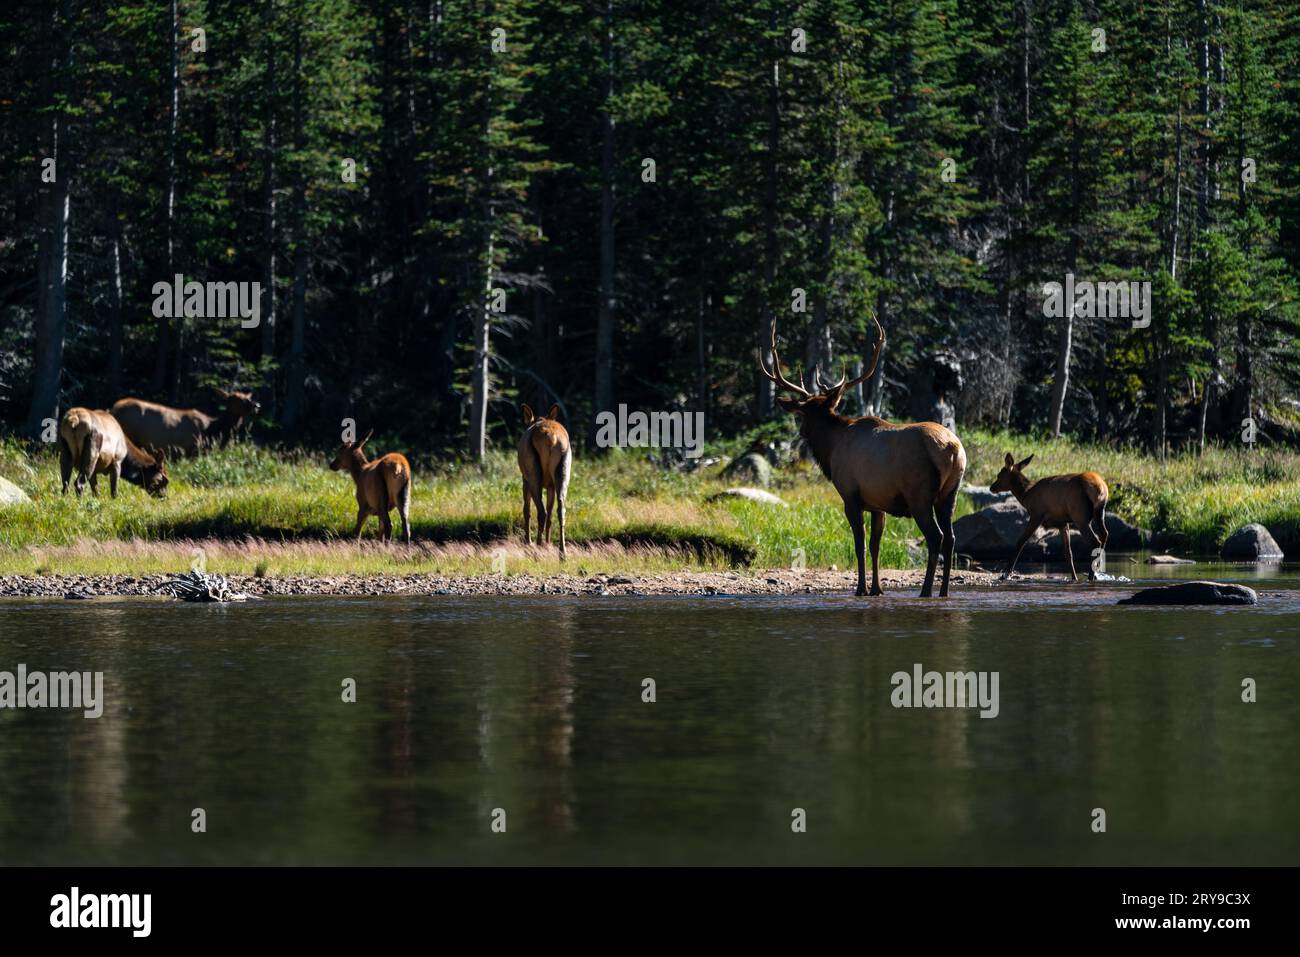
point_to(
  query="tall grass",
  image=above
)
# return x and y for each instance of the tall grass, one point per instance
(622, 509)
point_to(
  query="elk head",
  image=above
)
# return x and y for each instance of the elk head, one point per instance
(153, 474)
(530, 418)
(826, 399)
(350, 455)
(239, 405)
(1010, 477)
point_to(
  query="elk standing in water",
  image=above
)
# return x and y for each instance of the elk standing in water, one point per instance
(545, 461)
(94, 442)
(1057, 501)
(881, 468)
(382, 485)
(153, 426)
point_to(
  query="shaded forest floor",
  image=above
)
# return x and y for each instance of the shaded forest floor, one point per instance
(257, 512)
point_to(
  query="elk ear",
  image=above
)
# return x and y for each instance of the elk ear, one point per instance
(833, 397)
(1010, 460)
(220, 392)
(1025, 462)
(554, 413)
(528, 413)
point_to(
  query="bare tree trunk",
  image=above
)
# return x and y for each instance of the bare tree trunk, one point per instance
(268, 198)
(765, 395)
(115, 310)
(296, 372)
(165, 339)
(604, 393)
(479, 374)
(52, 258)
(1065, 335)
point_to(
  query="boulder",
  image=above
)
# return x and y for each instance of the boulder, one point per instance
(993, 531)
(1168, 560)
(982, 495)
(1253, 543)
(11, 494)
(752, 468)
(1194, 593)
(750, 494)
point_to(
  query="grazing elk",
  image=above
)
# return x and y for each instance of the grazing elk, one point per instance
(382, 485)
(94, 442)
(154, 426)
(545, 461)
(1057, 501)
(881, 468)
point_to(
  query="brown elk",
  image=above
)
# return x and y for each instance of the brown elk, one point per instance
(382, 485)
(154, 426)
(1057, 501)
(545, 461)
(94, 442)
(881, 468)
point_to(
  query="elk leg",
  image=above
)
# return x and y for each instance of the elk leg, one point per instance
(113, 475)
(361, 520)
(65, 464)
(943, 512)
(1024, 540)
(528, 505)
(853, 512)
(1069, 552)
(559, 504)
(404, 509)
(550, 510)
(94, 484)
(877, 530)
(387, 525)
(541, 512)
(933, 540)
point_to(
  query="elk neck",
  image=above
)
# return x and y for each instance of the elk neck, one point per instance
(1020, 487)
(823, 430)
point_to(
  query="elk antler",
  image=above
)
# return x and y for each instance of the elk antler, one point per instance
(776, 376)
(875, 358)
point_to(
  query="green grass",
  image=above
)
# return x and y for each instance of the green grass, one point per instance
(283, 513)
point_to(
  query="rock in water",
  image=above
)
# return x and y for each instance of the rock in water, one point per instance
(1194, 593)
(1252, 543)
(1168, 560)
(752, 494)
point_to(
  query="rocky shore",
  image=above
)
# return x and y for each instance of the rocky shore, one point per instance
(771, 582)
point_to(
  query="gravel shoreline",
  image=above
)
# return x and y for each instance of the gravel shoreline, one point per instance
(780, 581)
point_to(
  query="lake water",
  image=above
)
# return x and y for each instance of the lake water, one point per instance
(763, 705)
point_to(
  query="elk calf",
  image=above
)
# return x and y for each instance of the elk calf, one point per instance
(95, 443)
(545, 460)
(382, 485)
(1057, 501)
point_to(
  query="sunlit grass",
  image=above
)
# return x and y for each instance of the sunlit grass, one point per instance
(286, 513)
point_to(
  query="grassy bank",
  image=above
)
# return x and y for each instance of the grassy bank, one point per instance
(284, 513)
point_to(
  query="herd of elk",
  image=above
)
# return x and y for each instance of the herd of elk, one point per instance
(877, 466)
(880, 467)
(382, 485)
(545, 462)
(1057, 501)
(95, 444)
(155, 427)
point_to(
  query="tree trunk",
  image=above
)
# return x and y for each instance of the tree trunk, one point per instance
(268, 198)
(52, 268)
(115, 310)
(604, 393)
(766, 394)
(297, 371)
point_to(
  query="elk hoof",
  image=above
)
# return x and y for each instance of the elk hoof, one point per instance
(860, 592)
(876, 591)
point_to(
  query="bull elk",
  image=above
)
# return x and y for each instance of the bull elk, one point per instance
(154, 426)
(545, 461)
(382, 485)
(880, 467)
(1057, 501)
(95, 444)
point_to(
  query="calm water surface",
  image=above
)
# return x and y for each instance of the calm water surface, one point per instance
(764, 705)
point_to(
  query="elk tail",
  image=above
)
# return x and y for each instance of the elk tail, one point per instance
(950, 460)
